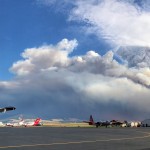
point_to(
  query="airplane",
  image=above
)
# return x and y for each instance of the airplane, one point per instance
(97, 124)
(7, 109)
(17, 123)
(33, 123)
(118, 123)
(24, 123)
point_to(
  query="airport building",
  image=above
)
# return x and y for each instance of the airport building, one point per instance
(146, 123)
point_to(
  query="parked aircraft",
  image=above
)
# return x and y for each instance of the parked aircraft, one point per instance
(24, 123)
(33, 123)
(118, 123)
(16, 123)
(97, 124)
(7, 109)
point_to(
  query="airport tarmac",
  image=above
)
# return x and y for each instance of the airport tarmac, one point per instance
(45, 138)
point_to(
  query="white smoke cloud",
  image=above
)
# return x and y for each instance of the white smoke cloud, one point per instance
(135, 56)
(51, 83)
(44, 57)
(120, 22)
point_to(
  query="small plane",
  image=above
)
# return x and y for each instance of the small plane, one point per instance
(97, 124)
(7, 109)
(33, 123)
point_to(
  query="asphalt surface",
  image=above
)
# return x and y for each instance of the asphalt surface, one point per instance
(50, 138)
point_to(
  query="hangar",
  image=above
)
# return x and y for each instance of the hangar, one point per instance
(145, 123)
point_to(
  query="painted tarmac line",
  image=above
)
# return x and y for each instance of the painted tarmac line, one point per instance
(78, 142)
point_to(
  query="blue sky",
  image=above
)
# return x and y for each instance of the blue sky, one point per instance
(25, 24)
(71, 59)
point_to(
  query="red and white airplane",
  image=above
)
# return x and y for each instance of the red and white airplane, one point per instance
(36, 122)
(24, 123)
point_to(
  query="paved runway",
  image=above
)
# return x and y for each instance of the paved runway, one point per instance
(45, 138)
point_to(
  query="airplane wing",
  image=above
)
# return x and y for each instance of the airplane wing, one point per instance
(7, 109)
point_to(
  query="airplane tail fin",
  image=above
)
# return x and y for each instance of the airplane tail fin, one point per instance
(91, 121)
(37, 121)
